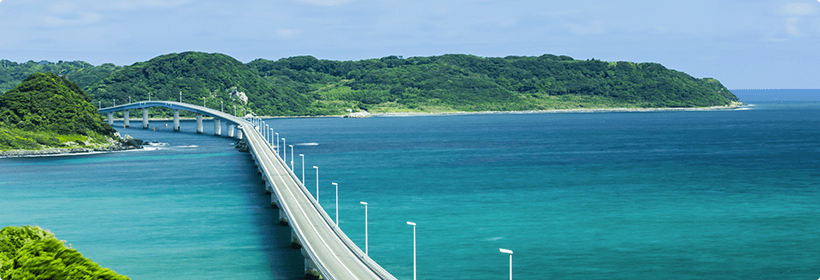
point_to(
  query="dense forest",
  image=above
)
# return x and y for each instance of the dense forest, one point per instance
(47, 110)
(305, 85)
(30, 252)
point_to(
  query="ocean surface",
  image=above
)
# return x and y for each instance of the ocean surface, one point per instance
(652, 195)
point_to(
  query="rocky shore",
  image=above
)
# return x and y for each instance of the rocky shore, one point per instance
(120, 144)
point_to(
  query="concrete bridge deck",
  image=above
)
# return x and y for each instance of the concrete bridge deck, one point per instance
(328, 252)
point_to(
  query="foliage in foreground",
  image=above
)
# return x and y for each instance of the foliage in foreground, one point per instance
(30, 252)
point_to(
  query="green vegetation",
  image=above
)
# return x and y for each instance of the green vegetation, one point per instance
(471, 83)
(80, 72)
(30, 252)
(214, 77)
(305, 85)
(47, 110)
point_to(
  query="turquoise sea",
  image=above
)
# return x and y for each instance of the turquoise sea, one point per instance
(660, 195)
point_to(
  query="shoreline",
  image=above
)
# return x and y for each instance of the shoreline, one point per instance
(126, 144)
(733, 106)
(578, 110)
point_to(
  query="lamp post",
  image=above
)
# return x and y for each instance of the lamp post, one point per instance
(221, 106)
(285, 153)
(303, 168)
(317, 183)
(203, 101)
(291, 157)
(277, 143)
(180, 96)
(414, 248)
(115, 102)
(511, 253)
(365, 226)
(129, 100)
(234, 110)
(337, 203)
(270, 136)
(100, 104)
(149, 96)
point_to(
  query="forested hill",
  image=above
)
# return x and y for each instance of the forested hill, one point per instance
(214, 77)
(47, 110)
(305, 85)
(472, 83)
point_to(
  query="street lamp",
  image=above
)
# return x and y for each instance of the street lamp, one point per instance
(414, 248)
(303, 168)
(221, 106)
(511, 253)
(115, 102)
(100, 104)
(277, 143)
(129, 100)
(203, 101)
(285, 153)
(291, 157)
(270, 136)
(149, 96)
(317, 183)
(180, 97)
(365, 226)
(337, 203)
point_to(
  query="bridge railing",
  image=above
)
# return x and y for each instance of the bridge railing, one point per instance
(329, 221)
(287, 211)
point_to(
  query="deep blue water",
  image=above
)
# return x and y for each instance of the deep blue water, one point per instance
(662, 195)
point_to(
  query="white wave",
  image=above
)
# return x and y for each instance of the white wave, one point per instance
(307, 144)
(494, 238)
(155, 144)
(189, 146)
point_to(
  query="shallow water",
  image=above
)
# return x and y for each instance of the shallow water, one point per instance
(673, 195)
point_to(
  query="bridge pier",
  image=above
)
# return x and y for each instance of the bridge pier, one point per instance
(126, 117)
(176, 120)
(217, 127)
(311, 271)
(199, 123)
(111, 118)
(145, 118)
(239, 134)
(231, 129)
(283, 219)
(294, 240)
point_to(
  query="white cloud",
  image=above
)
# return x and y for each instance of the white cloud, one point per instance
(129, 5)
(286, 33)
(326, 3)
(595, 27)
(791, 27)
(797, 9)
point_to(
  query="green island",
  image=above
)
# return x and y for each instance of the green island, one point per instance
(49, 114)
(30, 252)
(307, 86)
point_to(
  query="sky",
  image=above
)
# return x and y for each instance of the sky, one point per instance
(749, 44)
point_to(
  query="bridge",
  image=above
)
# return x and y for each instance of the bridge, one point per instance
(328, 252)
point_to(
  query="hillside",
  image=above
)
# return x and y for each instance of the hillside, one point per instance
(216, 77)
(47, 110)
(80, 72)
(471, 83)
(305, 85)
(30, 252)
